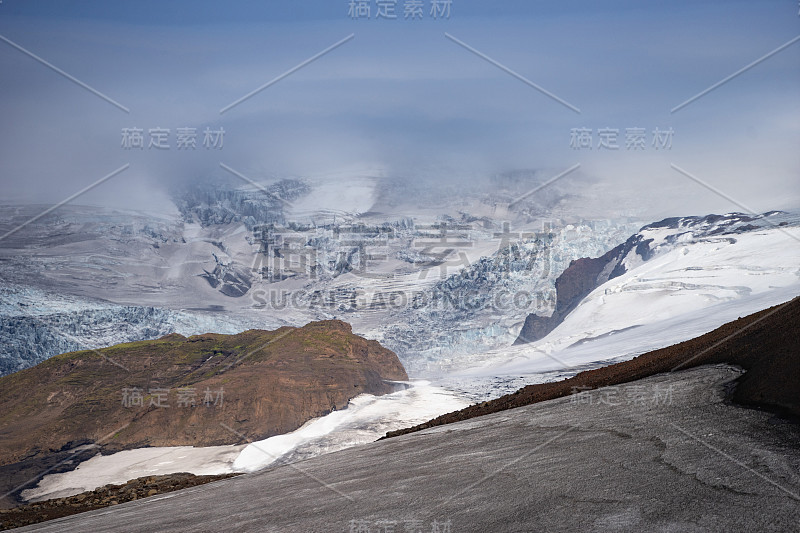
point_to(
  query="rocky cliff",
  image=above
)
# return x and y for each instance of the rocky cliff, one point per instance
(580, 278)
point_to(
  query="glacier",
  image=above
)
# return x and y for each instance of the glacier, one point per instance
(37, 324)
(86, 278)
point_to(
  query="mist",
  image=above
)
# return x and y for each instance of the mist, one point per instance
(402, 100)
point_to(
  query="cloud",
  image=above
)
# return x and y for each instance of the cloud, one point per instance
(403, 97)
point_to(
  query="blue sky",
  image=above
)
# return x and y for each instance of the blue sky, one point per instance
(400, 96)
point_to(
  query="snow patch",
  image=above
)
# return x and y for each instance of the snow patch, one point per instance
(366, 419)
(123, 466)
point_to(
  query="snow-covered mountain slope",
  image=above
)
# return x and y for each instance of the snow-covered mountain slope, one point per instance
(693, 275)
(586, 274)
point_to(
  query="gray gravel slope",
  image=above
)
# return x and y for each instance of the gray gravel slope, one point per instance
(662, 454)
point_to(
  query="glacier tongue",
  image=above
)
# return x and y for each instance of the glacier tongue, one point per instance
(481, 307)
(102, 277)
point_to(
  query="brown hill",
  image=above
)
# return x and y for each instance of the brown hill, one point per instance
(184, 391)
(766, 344)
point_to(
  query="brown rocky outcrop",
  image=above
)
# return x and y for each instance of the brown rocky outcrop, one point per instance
(202, 390)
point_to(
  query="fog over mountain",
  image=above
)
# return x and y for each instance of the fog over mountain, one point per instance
(401, 98)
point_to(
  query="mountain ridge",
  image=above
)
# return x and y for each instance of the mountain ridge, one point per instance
(584, 275)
